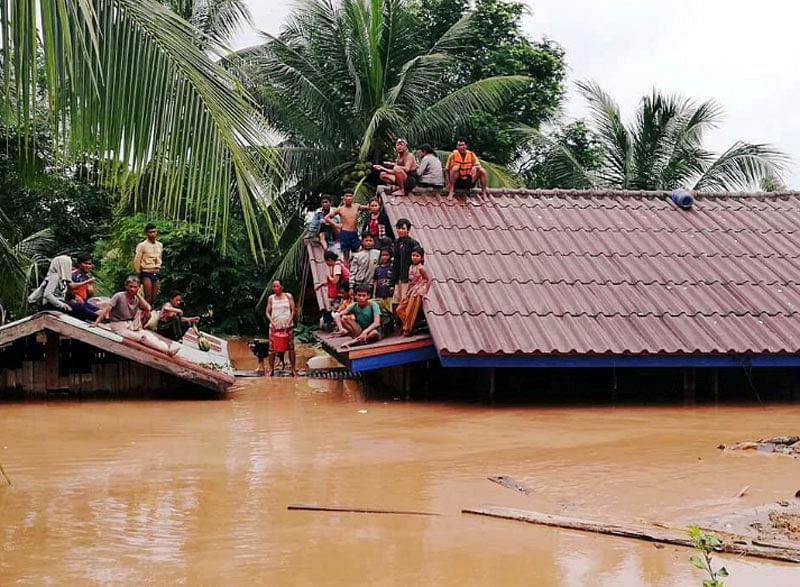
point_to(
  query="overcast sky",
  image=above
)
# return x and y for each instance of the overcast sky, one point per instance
(740, 53)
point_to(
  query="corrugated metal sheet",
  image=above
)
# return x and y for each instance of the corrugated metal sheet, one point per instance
(611, 272)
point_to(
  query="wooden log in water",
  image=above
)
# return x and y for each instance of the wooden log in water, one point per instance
(731, 544)
(355, 509)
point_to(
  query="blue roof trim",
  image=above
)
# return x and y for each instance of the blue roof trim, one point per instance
(392, 359)
(595, 361)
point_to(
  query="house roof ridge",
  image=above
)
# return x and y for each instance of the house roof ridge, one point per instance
(590, 314)
(564, 281)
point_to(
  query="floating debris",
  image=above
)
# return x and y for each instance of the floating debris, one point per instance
(785, 445)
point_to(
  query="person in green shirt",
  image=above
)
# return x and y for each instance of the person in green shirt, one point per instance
(362, 319)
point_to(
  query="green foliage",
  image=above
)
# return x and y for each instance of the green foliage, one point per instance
(344, 79)
(20, 259)
(497, 46)
(222, 289)
(131, 88)
(706, 543)
(563, 158)
(662, 149)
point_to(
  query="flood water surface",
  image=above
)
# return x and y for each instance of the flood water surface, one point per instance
(196, 492)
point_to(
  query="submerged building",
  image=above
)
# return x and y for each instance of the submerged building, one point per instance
(619, 280)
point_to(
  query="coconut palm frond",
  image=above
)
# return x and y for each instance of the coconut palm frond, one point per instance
(607, 123)
(562, 165)
(220, 20)
(743, 167)
(501, 177)
(436, 123)
(130, 87)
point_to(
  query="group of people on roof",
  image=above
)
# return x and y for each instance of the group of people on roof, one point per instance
(462, 170)
(68, 287)
(375, 274)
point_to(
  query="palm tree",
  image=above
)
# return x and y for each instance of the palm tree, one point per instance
(218, 20)
(131, 93)
(661, 149)
(345, 78)
(20, 257)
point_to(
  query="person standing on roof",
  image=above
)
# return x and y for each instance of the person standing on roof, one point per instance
(403, 172)
(377, 224)
(464, 170)
(418, 284)
(348, 227)
(364, 263)
(402, 260)
(430, 173)
(319, 227)
(147, 262)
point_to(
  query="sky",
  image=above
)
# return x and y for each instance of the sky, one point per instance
(740, 53)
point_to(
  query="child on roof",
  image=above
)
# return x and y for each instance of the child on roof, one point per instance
(402, 259)
(418, 285)
(338, 277)
(364, 263)
(383, 281)
(377, 224)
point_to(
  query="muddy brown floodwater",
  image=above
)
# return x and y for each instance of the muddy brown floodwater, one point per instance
(196, 492)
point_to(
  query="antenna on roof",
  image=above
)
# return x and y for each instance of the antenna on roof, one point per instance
(682, 198)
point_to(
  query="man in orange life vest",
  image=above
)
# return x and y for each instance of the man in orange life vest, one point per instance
(464, 170)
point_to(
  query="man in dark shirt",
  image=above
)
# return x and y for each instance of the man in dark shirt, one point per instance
(402, 259)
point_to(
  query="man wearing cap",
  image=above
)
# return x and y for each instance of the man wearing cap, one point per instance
(403, 172)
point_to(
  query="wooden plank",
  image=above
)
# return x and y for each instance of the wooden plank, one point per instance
(359, 352)
(732, 544)
(355, 509)
(51, 353)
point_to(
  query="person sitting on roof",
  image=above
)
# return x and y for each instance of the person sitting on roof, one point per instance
(348, 226)
(464, 170)
(52, 292)
(362, 319)
(82, 288)
(377, 224)
(172, 323)
(320, 228)
(402, 259)
(402, 173)
(364, 263)
(418, 285)
(429, 173)
(338, 275)
(128, 313)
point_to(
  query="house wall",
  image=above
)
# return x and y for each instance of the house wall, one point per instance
(78, 369)
(428, 380)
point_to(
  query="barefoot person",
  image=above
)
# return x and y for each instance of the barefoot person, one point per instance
(464, 170)
(128, 312)
(348, 225)
(147, 263)
(280, 314)
(362, 319)
(403, 172)
(418, 285)
(172, 323)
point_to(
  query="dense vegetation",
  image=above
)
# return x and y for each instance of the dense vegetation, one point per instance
(119, 112)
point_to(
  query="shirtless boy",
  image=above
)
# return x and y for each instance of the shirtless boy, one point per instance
(348, 227)
(403, 172)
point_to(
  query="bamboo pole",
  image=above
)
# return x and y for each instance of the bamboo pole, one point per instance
(731, 544)
(355, 509)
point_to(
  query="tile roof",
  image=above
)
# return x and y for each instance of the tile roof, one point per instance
(612, 272)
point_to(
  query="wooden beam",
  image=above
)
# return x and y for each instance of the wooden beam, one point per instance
(732, 544)
(51, 353)
(355, 509)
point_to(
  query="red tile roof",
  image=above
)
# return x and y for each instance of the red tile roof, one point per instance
(590, 272)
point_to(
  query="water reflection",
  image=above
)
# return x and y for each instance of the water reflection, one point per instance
(196, 492)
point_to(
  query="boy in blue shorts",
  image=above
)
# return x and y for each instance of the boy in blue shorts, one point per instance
(348, 225)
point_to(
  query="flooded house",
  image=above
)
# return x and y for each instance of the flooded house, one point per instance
(51, 354)
(643, 292)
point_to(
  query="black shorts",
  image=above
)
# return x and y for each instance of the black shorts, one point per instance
(411, 181)
(463, 183)
(425, 184)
